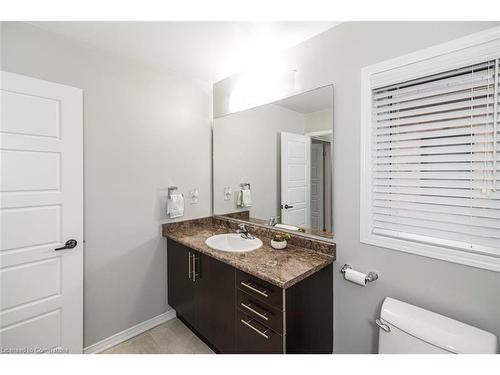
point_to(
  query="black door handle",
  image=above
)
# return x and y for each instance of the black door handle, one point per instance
(287, 206)
(68, 245)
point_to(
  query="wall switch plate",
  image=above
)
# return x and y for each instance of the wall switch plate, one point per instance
(193, 196)
(227, 193)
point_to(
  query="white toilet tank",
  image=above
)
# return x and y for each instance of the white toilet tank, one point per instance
(405, 328)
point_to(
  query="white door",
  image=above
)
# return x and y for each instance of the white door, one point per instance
(317, 186)
(295, 179)
(41, 207)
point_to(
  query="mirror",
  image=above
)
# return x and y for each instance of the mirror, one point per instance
(272, 164)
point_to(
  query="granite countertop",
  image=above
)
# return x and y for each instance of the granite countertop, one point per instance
(282, 268)
(245, 216)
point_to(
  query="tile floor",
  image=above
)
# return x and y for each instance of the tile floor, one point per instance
(172, 337)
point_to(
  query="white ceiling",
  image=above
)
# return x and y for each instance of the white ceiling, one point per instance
(310, 101)
(209, 51)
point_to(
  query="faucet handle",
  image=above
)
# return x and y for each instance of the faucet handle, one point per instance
(273, 220)
(244, 231)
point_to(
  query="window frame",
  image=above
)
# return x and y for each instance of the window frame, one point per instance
(471, 49)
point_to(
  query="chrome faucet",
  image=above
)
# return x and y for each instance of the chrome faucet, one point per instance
(243, 230)
(273, 220)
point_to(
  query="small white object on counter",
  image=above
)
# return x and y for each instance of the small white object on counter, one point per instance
(287, 227)
(278, 245)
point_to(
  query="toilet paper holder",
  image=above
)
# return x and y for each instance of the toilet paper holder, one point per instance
(371, 276)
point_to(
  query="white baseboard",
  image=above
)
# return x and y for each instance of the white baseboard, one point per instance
(129, 333)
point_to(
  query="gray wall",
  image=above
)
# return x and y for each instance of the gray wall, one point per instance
(318, 121)
(244, 142)
(468, 294)
(143, 130)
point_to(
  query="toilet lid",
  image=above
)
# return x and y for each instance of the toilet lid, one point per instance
(436, 329)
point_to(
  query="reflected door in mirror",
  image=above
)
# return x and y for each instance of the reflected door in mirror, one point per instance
(295, 179)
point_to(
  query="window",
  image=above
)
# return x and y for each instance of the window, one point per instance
(431, 154)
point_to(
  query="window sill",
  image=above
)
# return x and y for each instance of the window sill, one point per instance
(488, 262)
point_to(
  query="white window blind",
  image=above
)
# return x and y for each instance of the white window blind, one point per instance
(436, 159)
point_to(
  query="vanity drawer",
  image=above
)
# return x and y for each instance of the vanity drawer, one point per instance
(255, 338)
(263, 313)
(262, 290)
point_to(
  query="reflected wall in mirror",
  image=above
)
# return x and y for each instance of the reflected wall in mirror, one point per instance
(273, 163)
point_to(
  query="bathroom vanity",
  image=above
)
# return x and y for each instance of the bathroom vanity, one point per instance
(241, 295)
(264, 301)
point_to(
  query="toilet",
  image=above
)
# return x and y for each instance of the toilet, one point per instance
(406, 329)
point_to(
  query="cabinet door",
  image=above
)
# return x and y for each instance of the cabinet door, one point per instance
(309, 314)
(181, 287)
(216, 298)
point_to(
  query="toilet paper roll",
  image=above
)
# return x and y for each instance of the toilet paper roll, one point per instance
(355, 277)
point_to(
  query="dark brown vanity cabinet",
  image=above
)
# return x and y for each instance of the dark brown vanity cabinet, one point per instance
(235, 312)
(179, 280)
(201, 290)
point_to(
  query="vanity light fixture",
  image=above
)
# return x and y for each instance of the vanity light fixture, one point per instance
(261, 86)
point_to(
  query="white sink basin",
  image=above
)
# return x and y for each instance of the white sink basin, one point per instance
(233, 242)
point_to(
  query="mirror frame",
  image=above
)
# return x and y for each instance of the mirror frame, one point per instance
(295, 233)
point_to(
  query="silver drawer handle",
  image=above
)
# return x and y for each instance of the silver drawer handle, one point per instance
(249, 286)
(382, 325)
(193, 258)
(263, 334)
(254, 311)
